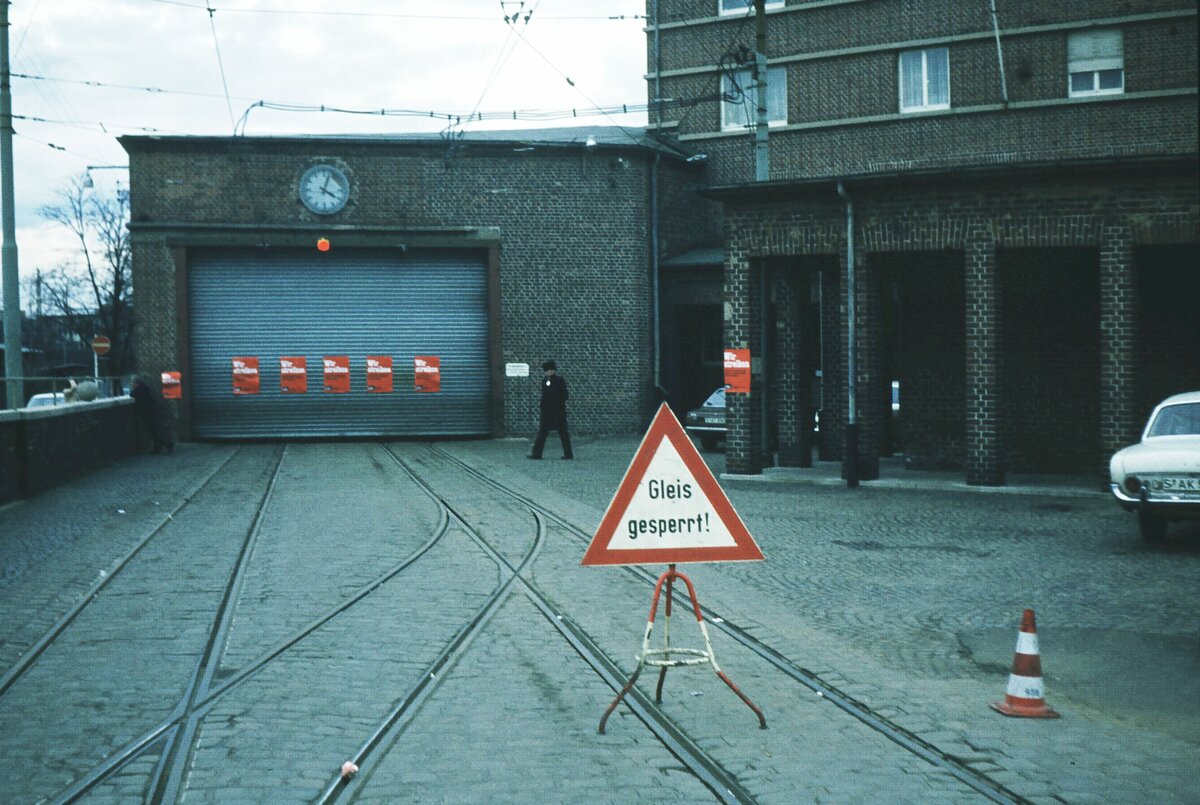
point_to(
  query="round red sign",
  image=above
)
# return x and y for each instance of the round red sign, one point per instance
(101, 345)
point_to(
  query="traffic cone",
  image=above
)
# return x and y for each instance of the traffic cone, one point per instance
(1026, 695)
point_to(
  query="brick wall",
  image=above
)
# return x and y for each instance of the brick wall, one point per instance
(10, 456)
(841, 63)
(572, 226)
(43, 448)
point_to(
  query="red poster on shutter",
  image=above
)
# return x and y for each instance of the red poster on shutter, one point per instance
(737, 371)
(172, 386)
(293, 374)
(427, 372)
(245, 375)
(379, 374)
(337, 374)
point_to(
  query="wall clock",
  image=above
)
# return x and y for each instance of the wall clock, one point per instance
(324, 189)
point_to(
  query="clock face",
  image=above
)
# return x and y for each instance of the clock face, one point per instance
(324, 189)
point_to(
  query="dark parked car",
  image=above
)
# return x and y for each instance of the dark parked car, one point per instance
(707, 423)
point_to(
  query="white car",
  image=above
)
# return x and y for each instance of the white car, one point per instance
(1159, 478)
(47, 398)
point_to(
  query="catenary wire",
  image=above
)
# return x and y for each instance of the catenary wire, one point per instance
(394, 15)
(212, 23)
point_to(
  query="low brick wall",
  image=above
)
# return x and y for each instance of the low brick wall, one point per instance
(43, 447)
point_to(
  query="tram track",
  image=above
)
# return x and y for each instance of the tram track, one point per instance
(204, 703)
(978, 781)
(724, 785)
(168, 776)
(174, 737)
(31, 655)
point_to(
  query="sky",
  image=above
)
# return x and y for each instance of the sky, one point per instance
(88, 71)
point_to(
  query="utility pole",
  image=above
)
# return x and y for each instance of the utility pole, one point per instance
(13, 365)
(762, 158)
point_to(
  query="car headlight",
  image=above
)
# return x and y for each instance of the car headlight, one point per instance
(1133, 485)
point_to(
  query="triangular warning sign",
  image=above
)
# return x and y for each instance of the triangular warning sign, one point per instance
(669, 508)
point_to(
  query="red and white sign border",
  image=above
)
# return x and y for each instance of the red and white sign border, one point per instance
(666, 426)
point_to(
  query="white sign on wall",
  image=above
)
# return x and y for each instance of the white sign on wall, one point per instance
(516, 370)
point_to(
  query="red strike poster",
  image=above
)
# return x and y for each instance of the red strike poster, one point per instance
(245, 375)
(293, 374)
(172, 386)
(737, 371)
(337, 374)
(379, 374)
(427, 373)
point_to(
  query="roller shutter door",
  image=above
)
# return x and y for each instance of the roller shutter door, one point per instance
(268, 304)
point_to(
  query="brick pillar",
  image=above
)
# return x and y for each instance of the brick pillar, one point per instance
(791, 384)
(985, 460)
(833, 371)
(870, 384)
(1118, 344)
(743, 297)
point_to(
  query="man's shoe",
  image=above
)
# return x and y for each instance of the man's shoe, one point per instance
(535, 458)
(568, 458)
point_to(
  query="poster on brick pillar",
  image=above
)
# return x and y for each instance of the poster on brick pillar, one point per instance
(172, 386)
(737, 371)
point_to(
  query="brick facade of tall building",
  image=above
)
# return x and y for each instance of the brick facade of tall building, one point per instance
(1024, 241)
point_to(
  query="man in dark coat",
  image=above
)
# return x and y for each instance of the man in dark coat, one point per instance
(146, 407)
(553, 411)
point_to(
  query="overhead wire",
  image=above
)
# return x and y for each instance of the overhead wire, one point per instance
(720, 62)
(221, 65)
(388, 14)
(57, 102)
(89, 157)
(577, 89)
(510, 44)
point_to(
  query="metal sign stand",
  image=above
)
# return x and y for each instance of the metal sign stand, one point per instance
(670, 657)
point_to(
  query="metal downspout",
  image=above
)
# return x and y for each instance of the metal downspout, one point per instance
(850, 458)
(999, 54)
(655, 295)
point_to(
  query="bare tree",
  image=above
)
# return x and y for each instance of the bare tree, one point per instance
(93, 290)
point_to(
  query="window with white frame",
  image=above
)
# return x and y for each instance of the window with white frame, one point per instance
(741, 6)
(739, 99)
(924, 80)
(1095, 63)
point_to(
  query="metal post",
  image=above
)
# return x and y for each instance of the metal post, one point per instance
(762, 158)
(850, 462)
(13, 365)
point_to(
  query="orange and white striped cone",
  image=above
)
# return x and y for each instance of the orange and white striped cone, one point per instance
(1026, 695)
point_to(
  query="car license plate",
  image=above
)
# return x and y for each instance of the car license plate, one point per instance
(1175, 486)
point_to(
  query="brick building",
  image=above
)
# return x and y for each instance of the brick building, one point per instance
(1014, 199)
(492, 251)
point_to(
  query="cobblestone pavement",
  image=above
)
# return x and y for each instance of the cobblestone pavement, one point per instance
(907, 599)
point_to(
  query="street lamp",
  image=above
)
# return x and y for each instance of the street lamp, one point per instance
(89, 183)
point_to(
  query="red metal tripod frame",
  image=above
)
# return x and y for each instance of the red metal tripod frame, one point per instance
(669, 577)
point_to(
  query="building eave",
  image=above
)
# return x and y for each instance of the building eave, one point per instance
(1185, 164)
